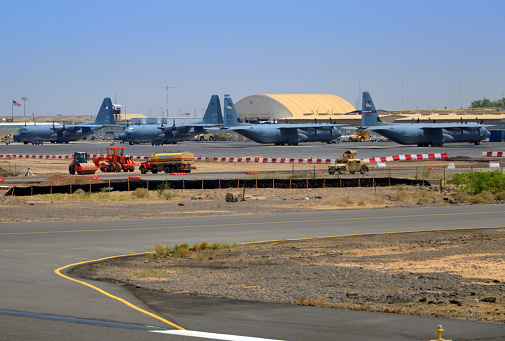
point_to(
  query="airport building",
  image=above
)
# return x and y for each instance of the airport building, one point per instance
(295, 108)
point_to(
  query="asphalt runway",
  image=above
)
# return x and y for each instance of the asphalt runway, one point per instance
(31, 252)
(244, 149)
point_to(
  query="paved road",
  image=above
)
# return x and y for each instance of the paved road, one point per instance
(241, 149)
(30, 253)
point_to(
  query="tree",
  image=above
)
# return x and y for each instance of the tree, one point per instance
(486, 103)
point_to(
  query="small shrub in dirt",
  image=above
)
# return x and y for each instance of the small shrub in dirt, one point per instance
(402, 195)
(11, 200)
(426, 197)
(484, 198)
(141, 193)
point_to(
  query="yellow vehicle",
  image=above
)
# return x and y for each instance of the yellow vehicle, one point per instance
(168, 162)
(361, 137)
(204, 137)
(348, 163)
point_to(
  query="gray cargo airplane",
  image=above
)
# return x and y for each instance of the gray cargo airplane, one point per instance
(279, 133)
(58, 133)
(422, 134)
(159, 134)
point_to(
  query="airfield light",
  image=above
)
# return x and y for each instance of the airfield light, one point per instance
(24, 105)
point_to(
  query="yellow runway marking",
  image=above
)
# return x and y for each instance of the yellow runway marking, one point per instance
(249, 223)
(57, 271)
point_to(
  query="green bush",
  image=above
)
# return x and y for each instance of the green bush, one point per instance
(477, 182)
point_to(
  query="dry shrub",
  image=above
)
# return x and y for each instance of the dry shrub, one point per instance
(204, 245)
(484, 198)
(12, 200)
(428, 197)
(141, 193)
(402, 195)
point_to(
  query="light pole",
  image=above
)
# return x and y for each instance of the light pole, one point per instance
(24, 105)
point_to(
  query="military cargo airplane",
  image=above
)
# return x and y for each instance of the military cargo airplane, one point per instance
(160, 134)
(279, 133)
(422, 134)
(61, 133)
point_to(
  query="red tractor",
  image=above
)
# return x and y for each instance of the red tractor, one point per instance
(114, 161)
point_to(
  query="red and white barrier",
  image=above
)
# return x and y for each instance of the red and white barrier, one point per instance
(411, 157)
(179, 173)
(493, 154)
(96, 177)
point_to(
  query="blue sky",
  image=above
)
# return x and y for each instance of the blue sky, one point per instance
(66, 56)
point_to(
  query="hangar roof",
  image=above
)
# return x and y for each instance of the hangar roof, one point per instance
(292, 105)
(314, 104)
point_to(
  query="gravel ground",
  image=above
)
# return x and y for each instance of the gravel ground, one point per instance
(443, 273)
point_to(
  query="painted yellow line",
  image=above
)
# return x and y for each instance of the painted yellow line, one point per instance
(372, 233)
(58, 272)
(249, 223)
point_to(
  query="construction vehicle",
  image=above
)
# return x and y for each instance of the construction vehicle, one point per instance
(80, 164)
(348, 162)
(114, 161)
(168, 162)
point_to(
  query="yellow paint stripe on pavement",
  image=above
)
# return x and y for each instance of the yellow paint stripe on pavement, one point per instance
(58, 272)
(249, 223)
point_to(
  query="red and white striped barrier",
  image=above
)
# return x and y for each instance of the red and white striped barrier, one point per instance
(132, 177)
(179, 173)
(411, 157)
(96, 177)
(41, 157)
(493, 154)
(263, 160)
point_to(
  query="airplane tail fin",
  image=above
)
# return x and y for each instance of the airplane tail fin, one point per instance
(213, 114)
(369, 115)
(230, 113)
(106, 113)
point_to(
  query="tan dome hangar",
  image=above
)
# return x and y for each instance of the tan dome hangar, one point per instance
(270, 107)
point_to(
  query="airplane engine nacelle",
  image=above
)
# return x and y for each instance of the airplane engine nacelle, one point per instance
(302, 137)
(447, 138)
(335, 133)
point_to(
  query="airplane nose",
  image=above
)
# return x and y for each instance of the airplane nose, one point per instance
(17, 137)
(122, 136)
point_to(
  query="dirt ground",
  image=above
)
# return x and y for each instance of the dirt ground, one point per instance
(446, 273)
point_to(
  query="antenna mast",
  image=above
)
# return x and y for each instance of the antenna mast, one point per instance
(167, 87)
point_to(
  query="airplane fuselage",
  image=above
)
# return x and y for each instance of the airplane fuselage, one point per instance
(51, 134)
(152, 133)
(411, 134)
(265, 133)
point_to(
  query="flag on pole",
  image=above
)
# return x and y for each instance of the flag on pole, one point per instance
(16, 103)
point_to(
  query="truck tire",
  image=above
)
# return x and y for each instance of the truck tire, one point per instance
(71, 169)
(154, 170)
(341, 170)
(167, 169)
(131, 169)
(363, 170)
(142, 170)
(202, 138)
(331, 170)
(117, 167)
(211, 138)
